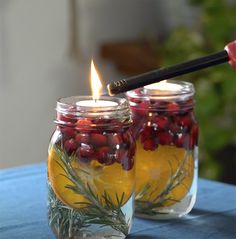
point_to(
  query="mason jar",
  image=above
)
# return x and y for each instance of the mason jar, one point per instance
(166, 134)
(91, 169)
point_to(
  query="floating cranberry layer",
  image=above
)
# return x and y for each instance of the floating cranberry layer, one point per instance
(105, 144)
(164, 123)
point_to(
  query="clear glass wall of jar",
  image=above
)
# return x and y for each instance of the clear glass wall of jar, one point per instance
(91, 170)
(166, 134)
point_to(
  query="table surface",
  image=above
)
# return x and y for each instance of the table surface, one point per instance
(23, 212)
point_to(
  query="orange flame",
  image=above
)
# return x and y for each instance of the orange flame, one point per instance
(96, 84)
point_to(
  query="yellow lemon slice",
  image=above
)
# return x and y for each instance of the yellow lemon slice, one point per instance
(112, 180)
(168, 171)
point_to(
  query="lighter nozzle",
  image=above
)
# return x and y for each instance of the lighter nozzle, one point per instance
(117, 87)
(109, 90)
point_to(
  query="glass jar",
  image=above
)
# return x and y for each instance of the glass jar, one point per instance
(166, 134)
(91, 170)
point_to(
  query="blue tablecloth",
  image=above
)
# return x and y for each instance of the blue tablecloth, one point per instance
(23, 213)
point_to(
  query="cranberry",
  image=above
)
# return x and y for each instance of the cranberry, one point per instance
(82, 138)
(147, 133)
(85, 151)
(83, 123)
(150, 145)
(69, 119)
(68, 132)
(185, 120)
(175, 128)
(194, 134)
(98, 139)
(161, 121)
(137, 101)
(115, 139)
(165, 138)
(105, 156)
(144, 105)
(70, 146)
(152, 102)
(141, 109)
(173, 107)
(116, 126)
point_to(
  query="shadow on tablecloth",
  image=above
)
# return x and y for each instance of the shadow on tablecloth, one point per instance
(200, 223)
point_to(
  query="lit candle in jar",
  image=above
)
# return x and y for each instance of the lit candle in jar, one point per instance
(164, 87)
(97, 103)
(96, 87)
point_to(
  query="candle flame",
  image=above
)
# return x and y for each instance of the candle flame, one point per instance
(96, 84)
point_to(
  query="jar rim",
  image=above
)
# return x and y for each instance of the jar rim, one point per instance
(117, 107)
(186, 90)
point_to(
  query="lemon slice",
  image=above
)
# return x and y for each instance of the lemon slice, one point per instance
(112, 180)
(157, 168)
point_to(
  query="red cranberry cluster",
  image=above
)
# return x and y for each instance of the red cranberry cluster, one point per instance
(93, 139)
(164, 123)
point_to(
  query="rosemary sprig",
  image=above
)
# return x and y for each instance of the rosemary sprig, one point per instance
(97, 210)
(176, 179)
(65, 221)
